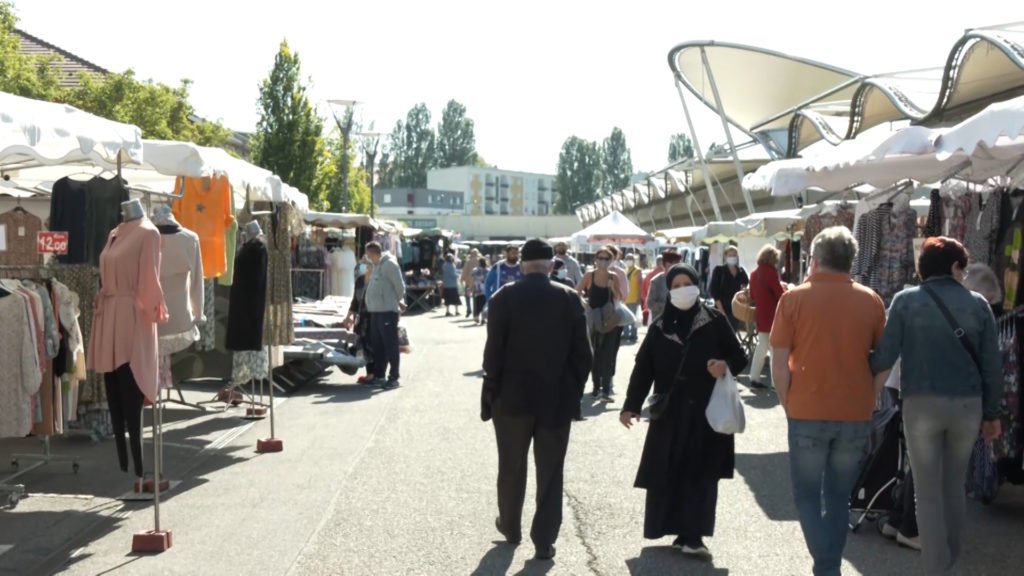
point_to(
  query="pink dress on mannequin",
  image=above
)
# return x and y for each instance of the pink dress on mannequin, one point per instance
(129, 305)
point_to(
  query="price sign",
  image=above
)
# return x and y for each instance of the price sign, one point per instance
(52, 243)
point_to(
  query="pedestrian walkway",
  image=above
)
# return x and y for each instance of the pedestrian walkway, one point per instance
(403, 483)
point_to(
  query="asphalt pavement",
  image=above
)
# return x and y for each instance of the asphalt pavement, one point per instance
(402, 482)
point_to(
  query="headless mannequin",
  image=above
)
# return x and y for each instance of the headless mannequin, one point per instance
(124, 398)
(253, 230)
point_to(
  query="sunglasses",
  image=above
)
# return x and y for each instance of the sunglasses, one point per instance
(604, 259)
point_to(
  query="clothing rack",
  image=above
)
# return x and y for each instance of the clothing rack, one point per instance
(15, 491)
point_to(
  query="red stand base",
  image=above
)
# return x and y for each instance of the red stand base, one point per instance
(148, 486)
(269, 445)
(256, 412)
(151, 542)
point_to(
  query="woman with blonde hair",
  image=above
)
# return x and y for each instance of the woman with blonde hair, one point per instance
(765, 290)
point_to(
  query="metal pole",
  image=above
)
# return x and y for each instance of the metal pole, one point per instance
(697, 149)
(373, 161)
(728, 130)
(157, 467)
(270, 376)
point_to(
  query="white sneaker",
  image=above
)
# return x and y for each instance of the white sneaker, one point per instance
(889, 531)
(912, 543)
(699, 551)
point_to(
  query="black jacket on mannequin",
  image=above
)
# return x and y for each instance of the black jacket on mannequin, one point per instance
(248, 298)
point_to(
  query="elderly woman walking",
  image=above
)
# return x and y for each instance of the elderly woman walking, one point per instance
(683, 354)
(766, 289)
(951, 381)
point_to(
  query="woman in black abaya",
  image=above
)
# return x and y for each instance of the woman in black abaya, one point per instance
(685, 351)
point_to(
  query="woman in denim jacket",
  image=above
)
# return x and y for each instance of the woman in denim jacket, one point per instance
(948, 391)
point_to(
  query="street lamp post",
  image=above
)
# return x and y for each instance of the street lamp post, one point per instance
(345, 127)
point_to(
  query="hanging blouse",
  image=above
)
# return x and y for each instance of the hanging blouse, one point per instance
(20, 229)
(130, 305)
(230, 248)
(205, 208)
(103, 213)
(21, 376)
(981, 238)
(934, 222)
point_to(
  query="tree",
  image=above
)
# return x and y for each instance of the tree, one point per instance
(416, 155)
(327, 189)
(338, 193)
(389, 171)
(161, 112)
(456, 141)
(680, 147)
(28, 76)
(288, 139)
(616, 163)
(579, 174)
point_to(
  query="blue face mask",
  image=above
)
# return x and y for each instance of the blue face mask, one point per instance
(732, 261)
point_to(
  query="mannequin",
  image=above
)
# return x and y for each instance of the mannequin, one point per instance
(335, 262)
(348, 270)
(248, 309)
(132, 210)
(181, 277)
(123, 343)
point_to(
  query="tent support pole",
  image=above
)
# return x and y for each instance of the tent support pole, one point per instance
(696, 147)
(728, 131)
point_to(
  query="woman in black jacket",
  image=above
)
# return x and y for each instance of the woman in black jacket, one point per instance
(684, 353)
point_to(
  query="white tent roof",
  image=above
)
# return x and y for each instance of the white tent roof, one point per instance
(33, 132)
(337, 220)
(614, 228)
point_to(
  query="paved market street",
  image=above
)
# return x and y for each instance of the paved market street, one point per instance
(402, 482)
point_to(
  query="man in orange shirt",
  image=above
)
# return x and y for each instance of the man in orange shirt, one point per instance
(822, 339)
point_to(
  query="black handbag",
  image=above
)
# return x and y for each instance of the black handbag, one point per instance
(657, 406)
(957, 330)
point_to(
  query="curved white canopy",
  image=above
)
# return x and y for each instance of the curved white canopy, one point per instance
(614, 228)
(33, 133)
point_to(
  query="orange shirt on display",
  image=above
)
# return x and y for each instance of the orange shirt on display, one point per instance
(205, 208)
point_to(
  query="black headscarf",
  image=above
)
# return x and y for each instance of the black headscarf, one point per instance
(674, 320)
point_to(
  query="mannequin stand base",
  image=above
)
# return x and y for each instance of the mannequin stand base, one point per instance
(149, 487)
(269, 445)
(255, 412)
(151, 542)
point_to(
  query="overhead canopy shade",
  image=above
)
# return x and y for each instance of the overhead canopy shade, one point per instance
(682, 234)
(333, 220)
(33, 133)
(613, 228)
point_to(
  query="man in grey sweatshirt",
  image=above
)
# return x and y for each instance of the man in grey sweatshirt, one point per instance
(384, 295)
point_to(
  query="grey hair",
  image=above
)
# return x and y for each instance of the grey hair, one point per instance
(835, 248)
(536, 266)
(981, 279)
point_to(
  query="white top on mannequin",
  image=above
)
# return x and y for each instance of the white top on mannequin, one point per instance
(132, 210)
(348, 271)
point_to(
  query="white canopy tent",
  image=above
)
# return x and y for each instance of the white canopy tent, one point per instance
(987, 145)
(335, 220)
(613, 228)
(37, 133)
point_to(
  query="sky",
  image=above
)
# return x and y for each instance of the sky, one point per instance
(531, 73)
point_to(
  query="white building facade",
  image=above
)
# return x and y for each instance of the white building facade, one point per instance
(494, 192)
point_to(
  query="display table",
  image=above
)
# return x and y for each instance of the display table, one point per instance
(421, 297)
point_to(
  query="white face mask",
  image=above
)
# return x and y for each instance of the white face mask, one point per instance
(732, 260)
(684, 297)
(562, 274)
(362, 269)
(630, 263)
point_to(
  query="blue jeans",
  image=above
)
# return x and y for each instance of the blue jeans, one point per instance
(825, 459)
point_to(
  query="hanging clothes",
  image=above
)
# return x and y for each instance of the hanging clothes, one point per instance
(22, 373)
(933, 227)
(1008, 445)
(1008, 265)
(181, 278)
(19, 229)
(103, 213)
(896, 267)
(334, 265)
(129, 306)
(208, 331)
(250, 365)
(870, 228)
(982, 233)
(230, 248)
(83, 280)
(956, 209)
(205, 208)
(278, 329)
(843, 216)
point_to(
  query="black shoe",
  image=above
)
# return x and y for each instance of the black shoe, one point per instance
(755, 385)
(595, 393)
(607, 397)
(547, 553)
(695, 548)
(513, 539)
(390, 385)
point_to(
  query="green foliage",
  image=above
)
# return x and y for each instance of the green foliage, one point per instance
(410, 151)
(390, 166)
(680, 147)
(338, 193)
(161, 112)
(32, 77)
(579, 174)
(288, 139)
(616, 163)
(456, 141)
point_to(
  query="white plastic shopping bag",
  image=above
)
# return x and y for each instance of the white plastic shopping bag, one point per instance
(625, 315)
(725, 410)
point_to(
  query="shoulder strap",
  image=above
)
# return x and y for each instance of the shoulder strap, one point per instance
(957, 330)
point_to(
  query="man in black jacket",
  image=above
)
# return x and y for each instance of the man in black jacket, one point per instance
(536, 364)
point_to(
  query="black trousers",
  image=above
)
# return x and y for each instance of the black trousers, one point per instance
(125, 401)
(384, 342)
(514, 435)
(606, 353)
(479, 300)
